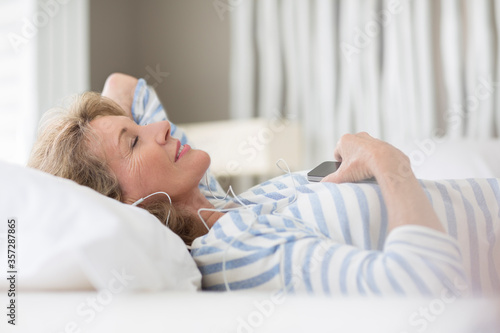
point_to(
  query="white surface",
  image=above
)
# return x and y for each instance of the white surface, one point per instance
(243, 312)
(446, 158)
(248, 147)
(69, 237)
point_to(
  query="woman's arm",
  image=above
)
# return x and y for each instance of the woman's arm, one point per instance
(120, 88)
(363, 157)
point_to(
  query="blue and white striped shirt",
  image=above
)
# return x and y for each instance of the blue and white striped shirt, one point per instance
(332, 239)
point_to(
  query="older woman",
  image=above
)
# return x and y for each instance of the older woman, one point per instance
(285, 234)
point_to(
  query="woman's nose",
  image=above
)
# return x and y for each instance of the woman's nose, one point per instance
(161, 131)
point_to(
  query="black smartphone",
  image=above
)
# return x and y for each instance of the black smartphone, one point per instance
(322, 170)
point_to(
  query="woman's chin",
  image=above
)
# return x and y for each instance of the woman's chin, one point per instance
(206, 158)
(201, 161)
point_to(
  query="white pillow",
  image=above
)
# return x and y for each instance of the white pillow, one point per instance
(455, 158)
(70, 237)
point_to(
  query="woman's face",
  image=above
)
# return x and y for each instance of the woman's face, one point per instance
(146, 159)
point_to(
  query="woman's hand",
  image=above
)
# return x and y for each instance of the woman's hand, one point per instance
(363, 157)
(120, 88)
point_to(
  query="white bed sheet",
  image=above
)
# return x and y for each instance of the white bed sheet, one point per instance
(248, 312)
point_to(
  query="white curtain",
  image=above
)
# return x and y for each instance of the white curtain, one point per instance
(17, 82)
(43, 58)
(63, 52)
(402, 70)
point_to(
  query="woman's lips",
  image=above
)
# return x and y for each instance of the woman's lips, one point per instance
(184, 150)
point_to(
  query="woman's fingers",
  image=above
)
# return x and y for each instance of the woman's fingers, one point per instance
(348, 173)
(354, 151)
(339, 176)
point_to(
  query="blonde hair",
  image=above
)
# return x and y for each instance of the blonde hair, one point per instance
(63, 148)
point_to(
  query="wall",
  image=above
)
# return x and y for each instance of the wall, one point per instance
(180, 46)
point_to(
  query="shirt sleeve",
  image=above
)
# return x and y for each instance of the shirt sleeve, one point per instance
(313, 264)
(415, 261)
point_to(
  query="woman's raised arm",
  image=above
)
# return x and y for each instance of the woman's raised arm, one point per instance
(120, 88)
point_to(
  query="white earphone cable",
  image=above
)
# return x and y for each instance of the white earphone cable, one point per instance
(169, 199)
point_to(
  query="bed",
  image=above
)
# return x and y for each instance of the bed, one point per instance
(169, 311)
(86, 263)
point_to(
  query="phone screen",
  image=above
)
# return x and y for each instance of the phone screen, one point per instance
(322, 170)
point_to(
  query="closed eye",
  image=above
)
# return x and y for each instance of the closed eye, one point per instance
(134, 143)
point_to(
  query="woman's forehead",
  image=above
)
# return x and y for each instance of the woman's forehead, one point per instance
(108, 130)
(110, 124)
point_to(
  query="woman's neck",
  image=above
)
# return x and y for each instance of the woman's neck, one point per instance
(198, 201)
